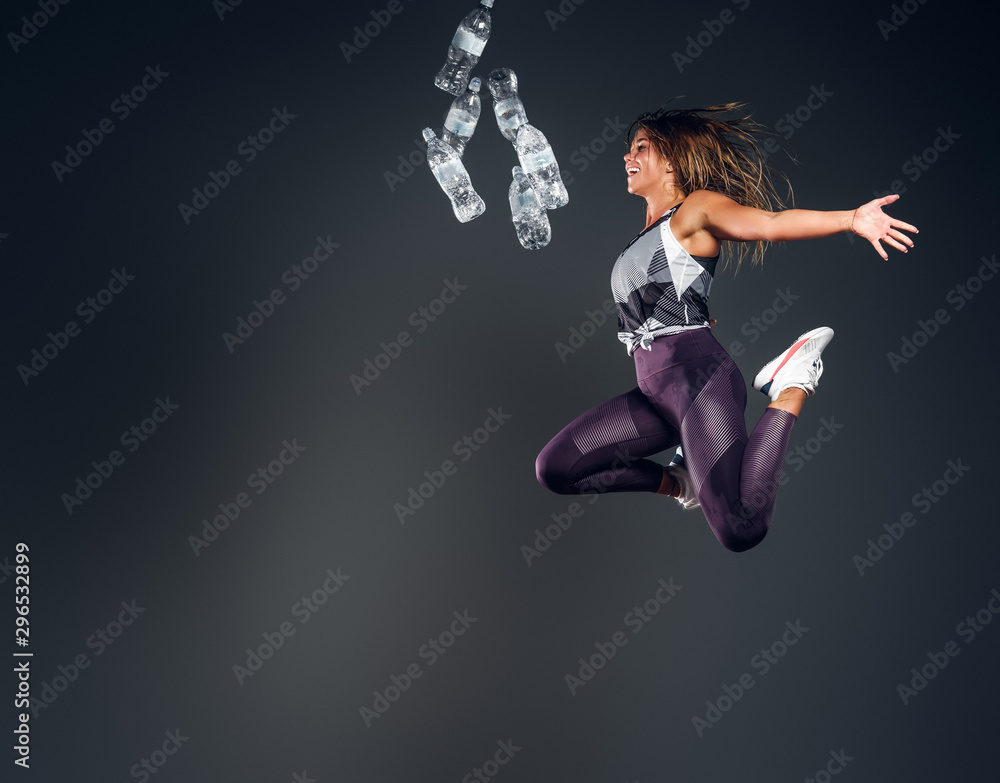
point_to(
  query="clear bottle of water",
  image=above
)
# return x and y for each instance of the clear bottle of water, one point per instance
(539, 164)
(466, 47)
(462, 117)
(446, 165)
(506, 103)
(530, 220)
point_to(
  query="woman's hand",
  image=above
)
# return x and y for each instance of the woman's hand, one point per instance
(870, 222)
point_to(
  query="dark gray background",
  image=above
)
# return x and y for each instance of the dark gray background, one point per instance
(326, 175)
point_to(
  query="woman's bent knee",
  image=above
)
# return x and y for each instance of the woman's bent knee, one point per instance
(743, 544)
(738, 535)
(551, 477)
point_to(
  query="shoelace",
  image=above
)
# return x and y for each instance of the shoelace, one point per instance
(815, 370)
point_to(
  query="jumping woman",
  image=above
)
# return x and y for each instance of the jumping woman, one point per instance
(705, 181)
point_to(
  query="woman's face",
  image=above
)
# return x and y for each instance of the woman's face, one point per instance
(645, 169)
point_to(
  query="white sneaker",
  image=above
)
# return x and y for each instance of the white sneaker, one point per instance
(798, 367)
(679, 473)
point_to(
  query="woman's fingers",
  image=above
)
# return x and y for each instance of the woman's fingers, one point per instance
(900, 237)
(879, 250)
(893, 243)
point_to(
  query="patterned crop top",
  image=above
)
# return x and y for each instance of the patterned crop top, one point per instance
(659, 287)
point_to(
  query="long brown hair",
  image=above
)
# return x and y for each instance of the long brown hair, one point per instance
(722, 155)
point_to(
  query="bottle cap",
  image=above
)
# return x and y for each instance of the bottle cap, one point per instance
(428, 134)
(502, 75)
(516, 172)
(503, 82)
(475, 84)
(487, 3)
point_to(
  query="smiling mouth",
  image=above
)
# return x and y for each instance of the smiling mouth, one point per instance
(631, 171)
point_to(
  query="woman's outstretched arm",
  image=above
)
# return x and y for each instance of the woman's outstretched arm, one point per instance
(724, 219)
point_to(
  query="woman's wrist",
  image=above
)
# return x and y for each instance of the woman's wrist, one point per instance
(850, 221)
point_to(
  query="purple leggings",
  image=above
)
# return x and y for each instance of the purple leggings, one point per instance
(690, 393)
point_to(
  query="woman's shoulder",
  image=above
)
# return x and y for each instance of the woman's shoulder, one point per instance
(694, 213)
(705, 199)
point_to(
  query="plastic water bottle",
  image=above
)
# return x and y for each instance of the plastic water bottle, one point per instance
(446, 165)
(462, 117)
(530, 220)
(533, 149)
(539, 163)
(506, 103)
(466, 47)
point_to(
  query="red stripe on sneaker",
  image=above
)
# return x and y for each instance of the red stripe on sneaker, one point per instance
(788, 355)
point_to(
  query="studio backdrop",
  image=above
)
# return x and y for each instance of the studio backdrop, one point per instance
(271, 511)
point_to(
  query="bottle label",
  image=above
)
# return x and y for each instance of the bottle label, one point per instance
(521, 200)
(538, 160)
(448, 171)
(465, 40)
(461, 123)
(515, 111)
